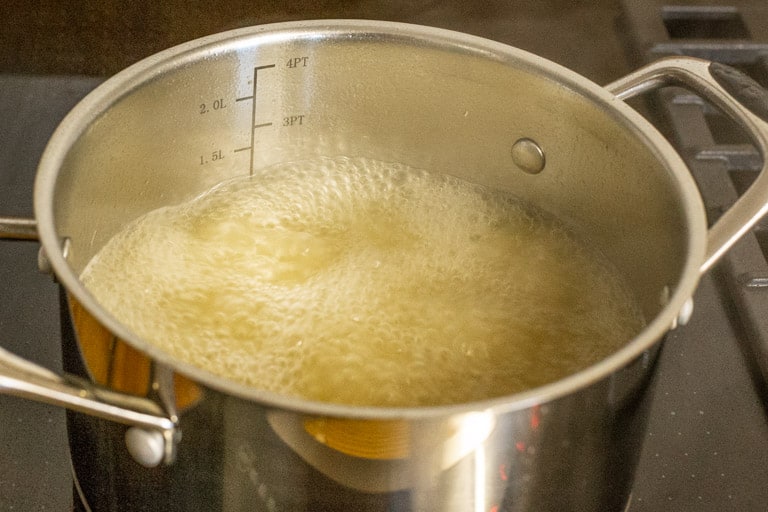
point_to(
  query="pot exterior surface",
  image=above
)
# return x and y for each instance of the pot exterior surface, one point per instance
(574, 453)
(174, 125)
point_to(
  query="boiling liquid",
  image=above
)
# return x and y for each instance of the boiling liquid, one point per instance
(359, 282)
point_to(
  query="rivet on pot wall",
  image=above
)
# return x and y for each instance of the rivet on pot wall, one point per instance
(528, 155)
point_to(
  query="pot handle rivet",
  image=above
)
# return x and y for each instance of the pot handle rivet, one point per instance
(44, 264)
(528, 155)
(685, 312)
(147, 447)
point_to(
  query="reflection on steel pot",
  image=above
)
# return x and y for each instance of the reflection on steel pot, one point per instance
(173, 125)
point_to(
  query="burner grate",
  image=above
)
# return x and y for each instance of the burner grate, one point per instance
(695, 22)
(720, 156)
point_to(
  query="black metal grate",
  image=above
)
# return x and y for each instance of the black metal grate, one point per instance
(720, 156)
(684, 22)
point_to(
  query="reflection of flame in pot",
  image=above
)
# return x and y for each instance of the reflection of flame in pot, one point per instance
(115, 364)
(378, 440)
(382, 455)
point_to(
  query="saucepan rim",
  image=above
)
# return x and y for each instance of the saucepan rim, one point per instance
(625, 117)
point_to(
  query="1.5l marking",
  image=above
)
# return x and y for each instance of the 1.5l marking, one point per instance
(213, 156)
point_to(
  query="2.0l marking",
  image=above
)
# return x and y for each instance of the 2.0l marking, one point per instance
(217, 104)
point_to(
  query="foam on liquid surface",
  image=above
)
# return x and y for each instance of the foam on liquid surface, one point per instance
(359, 282)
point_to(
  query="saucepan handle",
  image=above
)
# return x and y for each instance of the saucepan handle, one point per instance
(17, 228)
(739, 97)
(154, 434)
(19, 377)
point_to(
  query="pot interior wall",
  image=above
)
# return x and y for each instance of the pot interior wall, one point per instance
(180, 127)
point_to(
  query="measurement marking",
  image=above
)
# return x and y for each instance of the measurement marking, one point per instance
(242, 149)
(244, 98)
(262, 125)
(253, 111)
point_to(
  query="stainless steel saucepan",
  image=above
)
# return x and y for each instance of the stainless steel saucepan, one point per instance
(159, 434)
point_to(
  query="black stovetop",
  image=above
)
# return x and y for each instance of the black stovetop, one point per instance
(707, 442)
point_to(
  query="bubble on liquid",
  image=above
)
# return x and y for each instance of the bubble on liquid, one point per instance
(362, 282)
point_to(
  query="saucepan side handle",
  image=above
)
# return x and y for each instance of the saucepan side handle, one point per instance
(154, 435)
(19, 377)
(739, 97)
(16, 228)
